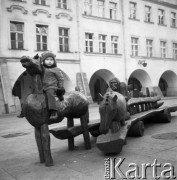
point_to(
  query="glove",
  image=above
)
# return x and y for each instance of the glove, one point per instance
(60, 92)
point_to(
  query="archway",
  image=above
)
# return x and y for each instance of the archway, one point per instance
(140, 80)
(99, 82)
(168, 83)
(135, 83)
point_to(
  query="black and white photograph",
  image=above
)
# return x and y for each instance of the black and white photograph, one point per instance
(88, 89)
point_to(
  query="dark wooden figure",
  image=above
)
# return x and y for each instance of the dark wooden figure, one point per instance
(74, 105)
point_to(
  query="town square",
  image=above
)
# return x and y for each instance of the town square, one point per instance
(88, 89)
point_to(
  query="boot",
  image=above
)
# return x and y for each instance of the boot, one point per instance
(21, 115)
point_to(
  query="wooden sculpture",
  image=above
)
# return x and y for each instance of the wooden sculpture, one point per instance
(74, 105)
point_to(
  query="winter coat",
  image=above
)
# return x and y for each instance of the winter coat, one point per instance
(52, 78)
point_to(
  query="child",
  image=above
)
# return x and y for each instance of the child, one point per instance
(52, 81)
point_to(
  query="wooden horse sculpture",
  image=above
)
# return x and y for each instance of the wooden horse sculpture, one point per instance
(74, 105)
(112, 109)
(113, 113)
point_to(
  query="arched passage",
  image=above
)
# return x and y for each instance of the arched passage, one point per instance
(139, 79)
(168, 83)
(99, 82)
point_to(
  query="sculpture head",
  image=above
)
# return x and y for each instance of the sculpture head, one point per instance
(114, 84)
(107, 110)
(32, 65)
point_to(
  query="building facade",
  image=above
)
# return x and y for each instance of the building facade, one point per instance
(94, 41)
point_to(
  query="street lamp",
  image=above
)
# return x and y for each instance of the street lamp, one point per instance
(142, 62)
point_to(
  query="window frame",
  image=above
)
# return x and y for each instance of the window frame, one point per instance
(163, 49)
(89, 43)
(148, 14)
(113, 10)
(102, 8)
(102, 43)
(173, 24)
(149, 47)
(114, 43)
(62, 4)
(64, 46)
(133, 10)
(41, 43)
(40, 2)
(174, 50)
(17, 33)
(88, 7)
(161, 18)
(134, 50)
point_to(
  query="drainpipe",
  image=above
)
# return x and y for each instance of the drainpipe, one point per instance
(79, 43)
(123, 38)
(3, 92)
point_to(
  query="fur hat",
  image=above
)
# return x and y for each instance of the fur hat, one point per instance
(46, 55)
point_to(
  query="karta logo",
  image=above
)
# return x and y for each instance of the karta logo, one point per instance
(135, 171)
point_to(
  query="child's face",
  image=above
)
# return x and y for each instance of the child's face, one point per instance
(49, 61)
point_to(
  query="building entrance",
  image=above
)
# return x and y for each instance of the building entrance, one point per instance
(99, 82)
(168, 83)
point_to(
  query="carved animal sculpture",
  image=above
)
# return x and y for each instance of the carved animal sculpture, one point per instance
(112, 108)
(74, 105)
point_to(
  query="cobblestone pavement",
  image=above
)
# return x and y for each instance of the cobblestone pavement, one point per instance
(19, 156)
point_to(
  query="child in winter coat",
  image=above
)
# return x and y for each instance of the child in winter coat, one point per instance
(52, 81)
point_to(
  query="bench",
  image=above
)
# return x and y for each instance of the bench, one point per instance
(71, 131)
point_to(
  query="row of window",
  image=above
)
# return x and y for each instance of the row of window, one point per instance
(60, 3)
(148, 14)
(17, 37)
(87, 7)
(101, 8)
(113, 10)
(17, 41)
(150, 47)
(102, 40)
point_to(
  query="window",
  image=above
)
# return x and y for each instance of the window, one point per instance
(132, 10)
(161, 16)
(63, 39)
(89, 42)
(16, 35)
(147, 13)
(134, 45)
(173, 19)
(149, 47)
(102, 43)
(88, 7)
(163, 49)
(175, 50)
(41, 2)
(114, 44)
(41, 37)
(113, 10)
(100, 8)
(62, 4)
